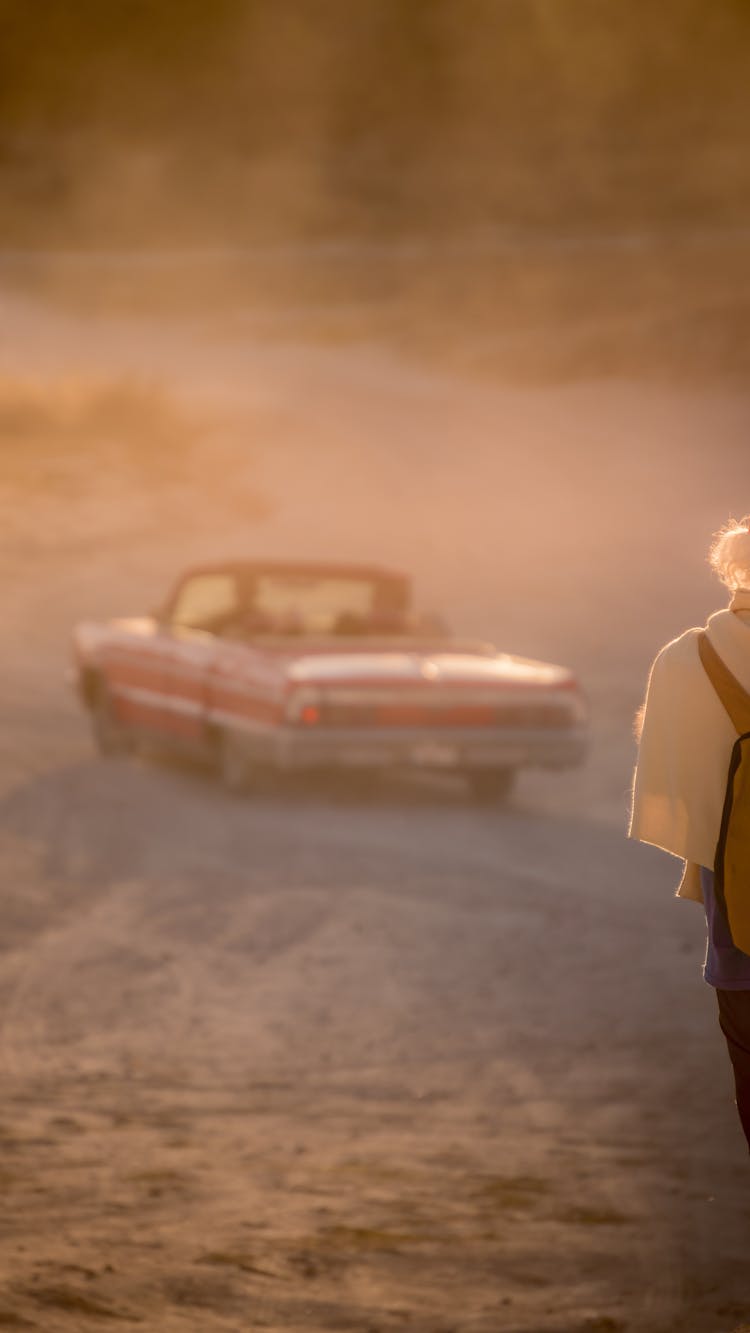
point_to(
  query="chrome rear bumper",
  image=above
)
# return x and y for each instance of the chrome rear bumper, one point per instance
(444, 749)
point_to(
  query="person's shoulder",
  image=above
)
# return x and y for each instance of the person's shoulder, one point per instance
(678, 653)
(684, 647)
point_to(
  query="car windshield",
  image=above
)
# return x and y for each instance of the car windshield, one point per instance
(331, 604)
(299, 604)
(289, 602)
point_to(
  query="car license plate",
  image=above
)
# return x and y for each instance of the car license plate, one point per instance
(434, 754)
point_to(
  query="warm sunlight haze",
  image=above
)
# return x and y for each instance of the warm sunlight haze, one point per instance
(373, 389)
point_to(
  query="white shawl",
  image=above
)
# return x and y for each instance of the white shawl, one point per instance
(686, 744)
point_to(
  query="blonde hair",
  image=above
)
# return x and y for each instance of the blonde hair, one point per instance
(729, 556)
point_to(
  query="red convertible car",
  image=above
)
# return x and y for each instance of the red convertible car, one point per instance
(263, 665)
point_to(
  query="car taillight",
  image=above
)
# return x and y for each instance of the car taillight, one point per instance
(304, 707)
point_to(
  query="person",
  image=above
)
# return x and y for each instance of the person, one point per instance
(686, 738)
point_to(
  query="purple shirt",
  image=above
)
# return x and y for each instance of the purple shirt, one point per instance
(726, 966)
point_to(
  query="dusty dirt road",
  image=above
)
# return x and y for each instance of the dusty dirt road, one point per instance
(324, 1063)
(321, 1061)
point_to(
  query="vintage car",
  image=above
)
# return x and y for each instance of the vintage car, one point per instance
(260, 666)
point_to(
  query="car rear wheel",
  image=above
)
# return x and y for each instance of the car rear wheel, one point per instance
(491, 785)
(235, 768)
(111, 737)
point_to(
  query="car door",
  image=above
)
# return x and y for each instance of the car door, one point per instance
(133, 667)
(204, 602)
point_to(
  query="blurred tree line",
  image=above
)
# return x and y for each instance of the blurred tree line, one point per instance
(130, 120)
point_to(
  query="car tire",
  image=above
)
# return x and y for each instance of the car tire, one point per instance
(235, 768)
(491, 786)
(111, 736)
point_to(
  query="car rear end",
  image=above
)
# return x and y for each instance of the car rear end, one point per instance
(469, 727)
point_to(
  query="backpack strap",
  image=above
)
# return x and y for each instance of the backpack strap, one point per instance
(734, 697)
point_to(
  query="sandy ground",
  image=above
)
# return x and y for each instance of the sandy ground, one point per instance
(321, 1060)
